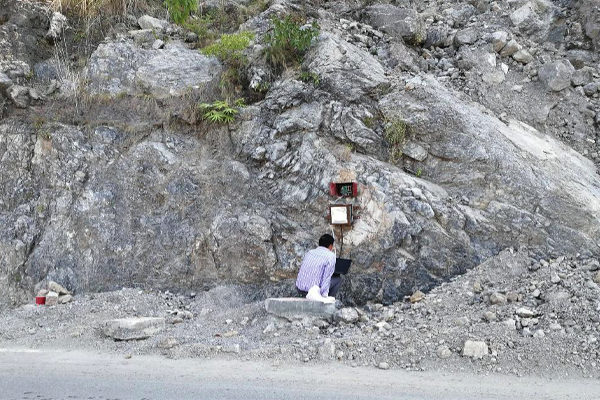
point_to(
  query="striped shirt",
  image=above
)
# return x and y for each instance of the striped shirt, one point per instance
(317, 267)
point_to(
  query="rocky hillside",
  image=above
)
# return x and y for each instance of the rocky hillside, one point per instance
(470, 127)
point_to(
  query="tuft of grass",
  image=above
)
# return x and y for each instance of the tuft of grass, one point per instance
(289, 41)
(92, 8)
(395, 134)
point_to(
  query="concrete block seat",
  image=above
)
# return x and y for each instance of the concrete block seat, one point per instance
(298, 308)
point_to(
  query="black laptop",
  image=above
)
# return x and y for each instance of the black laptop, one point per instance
(342, 265)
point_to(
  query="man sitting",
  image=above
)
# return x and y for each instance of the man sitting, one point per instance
(317, 269)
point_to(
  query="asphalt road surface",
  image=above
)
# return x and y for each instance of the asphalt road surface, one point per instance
(73, 375)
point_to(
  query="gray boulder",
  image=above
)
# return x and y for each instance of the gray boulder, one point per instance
(350, 71)
(134, 328)
(499, 40)
(348, 315)
(523, 56)
(475, 349)
(153, 24)
(122, 67)
(582, 76)
(403, 23)
(556, 76)
(466, 36)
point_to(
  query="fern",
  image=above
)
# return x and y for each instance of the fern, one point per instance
(220, 111)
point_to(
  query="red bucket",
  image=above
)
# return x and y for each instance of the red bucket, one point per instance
(40, 300)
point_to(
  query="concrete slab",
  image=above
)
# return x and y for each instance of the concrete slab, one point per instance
(136, 328)
(298, 308)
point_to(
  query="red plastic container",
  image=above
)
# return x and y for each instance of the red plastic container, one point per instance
(40, 300)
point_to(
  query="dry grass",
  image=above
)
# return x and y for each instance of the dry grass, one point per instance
(93, 8)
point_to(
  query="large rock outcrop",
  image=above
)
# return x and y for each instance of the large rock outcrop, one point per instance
(149, 200)
(124, 68)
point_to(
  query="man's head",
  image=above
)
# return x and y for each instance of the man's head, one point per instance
(326, 241)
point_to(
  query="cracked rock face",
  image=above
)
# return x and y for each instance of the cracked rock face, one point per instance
(102, 203)
(123, 68)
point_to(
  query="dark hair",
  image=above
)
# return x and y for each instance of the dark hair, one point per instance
(326, 240)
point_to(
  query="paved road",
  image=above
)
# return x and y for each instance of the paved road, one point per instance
(73, 375)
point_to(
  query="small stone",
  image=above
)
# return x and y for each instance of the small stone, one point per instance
(64, 299)
(230, 334)
(462, 321)
(158, 44)
(596, 278)
(383, 326)
(513, 297)
(466, 36)
(270, 328)
(497, 299)
(523, 56)
(536, 293)
(168, 343)
(554, 278)
(148, 22)
(582, 76)
(327, 350)
(539, 334)
(348, 315)
(477, 288)
(525, 313)
(475, 349)
(177, 320)
(444, 352)
(555, 327)
(232, 349)
(510, 48)
(499, 40)
(42, 293)
(51, 298)
(591, 88)
(490, 316)
(417, 296)
(556, 76)
(383, 365)
(511, 324)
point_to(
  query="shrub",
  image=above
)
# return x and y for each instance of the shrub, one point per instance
(220, 112)
(230, 50)
(310, 77)
(395, 134)
(289, 41)
(180, 10)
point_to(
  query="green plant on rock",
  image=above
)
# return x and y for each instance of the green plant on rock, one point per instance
(230, 49)
(220, 112)
(180, 10)
(310, 77)
(289, 41)
(395, 134)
